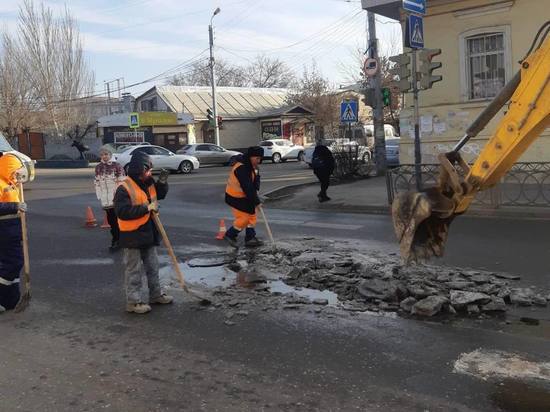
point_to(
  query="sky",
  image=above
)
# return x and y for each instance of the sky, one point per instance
(135, 40)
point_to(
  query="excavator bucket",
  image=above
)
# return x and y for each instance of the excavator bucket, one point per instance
(421, 221)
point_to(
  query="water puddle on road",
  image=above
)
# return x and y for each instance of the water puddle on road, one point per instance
(211, 272)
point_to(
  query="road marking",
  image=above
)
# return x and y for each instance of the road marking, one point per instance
(337, 226)
(486, 364)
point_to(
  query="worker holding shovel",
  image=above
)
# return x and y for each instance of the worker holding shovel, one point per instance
(136, 199)
(241, 194)
(12, 171)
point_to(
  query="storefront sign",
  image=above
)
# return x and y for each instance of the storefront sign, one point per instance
(129, 137)
(271, 129)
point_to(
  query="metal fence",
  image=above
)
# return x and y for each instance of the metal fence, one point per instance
(525, 185)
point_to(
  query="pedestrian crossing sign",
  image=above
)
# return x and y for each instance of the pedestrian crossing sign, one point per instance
(414, 38)
(348, 111)
(133, 120)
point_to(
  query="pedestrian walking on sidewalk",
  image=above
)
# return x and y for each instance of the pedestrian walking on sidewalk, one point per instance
(135, 199)
(11, 249)
(323, 166)
(241, 193)
(108, 176)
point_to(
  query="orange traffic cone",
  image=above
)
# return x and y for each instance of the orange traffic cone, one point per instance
(222, 230)
(105, 224)
(90, 219)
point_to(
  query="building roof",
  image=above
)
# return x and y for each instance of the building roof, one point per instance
(232, 102)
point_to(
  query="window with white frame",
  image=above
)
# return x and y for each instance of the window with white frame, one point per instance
(486, 57)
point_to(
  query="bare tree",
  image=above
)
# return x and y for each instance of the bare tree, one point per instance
(314, 92)
(269, 72)
(47, 52)
(199, 75)
(18, 100)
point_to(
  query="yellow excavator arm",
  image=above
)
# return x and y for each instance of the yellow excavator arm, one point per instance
(421, 219)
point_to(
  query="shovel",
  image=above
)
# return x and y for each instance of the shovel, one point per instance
(203, 299)
(267, 226)
(26, 296)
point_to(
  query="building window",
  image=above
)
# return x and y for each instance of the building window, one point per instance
(485, 62)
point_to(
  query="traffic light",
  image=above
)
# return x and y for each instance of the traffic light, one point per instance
(368, 97)
(401, 69)
(386, 96)
(427, 67)
(220, 120)
(210, 117)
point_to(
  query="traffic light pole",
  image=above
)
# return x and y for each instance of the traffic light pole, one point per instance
(213, 81)
(378, 109)
(417, 152)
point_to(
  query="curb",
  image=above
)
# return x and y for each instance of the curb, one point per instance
(521, 214)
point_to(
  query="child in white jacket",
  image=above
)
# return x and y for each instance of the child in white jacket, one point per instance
(108, 175)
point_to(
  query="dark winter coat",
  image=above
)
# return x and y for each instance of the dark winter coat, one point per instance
(146, 235)
(250, 187)
(322, 160)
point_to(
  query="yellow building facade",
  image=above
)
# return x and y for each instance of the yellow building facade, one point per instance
(481, 42)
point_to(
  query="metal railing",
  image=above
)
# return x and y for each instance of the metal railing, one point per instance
(527, 184)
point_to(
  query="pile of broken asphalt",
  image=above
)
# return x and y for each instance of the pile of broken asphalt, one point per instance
(325, 275)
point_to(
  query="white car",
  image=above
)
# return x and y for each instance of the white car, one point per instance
(162, 158)
(5, 147)
(281, 150)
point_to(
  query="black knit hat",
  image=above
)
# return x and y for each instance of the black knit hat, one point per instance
(255, 151)
(138, 163)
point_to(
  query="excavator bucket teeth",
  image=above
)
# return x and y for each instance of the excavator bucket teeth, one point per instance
(420, 229)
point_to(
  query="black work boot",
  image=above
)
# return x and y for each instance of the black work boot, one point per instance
(253, 242)
(231, 237)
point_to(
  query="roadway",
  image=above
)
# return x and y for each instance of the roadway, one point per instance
(75, 348)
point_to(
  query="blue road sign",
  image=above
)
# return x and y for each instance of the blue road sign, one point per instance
(348, 111)
(415, 6)
(414, 36)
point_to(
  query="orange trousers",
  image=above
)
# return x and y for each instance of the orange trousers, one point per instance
(243, 220)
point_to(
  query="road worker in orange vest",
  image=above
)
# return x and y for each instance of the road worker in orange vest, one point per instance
(241, 193)
(135, 199)
(12, 171)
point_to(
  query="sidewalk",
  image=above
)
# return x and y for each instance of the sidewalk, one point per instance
(362, 196)
(370, 196)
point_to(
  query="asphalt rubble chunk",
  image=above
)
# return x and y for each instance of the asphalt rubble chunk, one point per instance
(362, 281)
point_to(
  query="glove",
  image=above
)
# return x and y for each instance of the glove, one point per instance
(22, 207)
(153, 207)
(163, 177)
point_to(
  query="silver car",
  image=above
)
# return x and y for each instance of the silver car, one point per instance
(210, 154)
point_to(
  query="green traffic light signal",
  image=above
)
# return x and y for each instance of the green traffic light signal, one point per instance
(386, 96)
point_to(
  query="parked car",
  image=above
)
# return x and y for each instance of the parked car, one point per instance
(281, 150)
(392, 152)
(5, 147)
(210, 153)
(162, 158)
(364, 152)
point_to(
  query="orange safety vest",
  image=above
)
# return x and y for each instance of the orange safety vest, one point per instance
(138, 198)
(233, 187)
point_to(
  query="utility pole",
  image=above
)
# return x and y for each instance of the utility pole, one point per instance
(213, 79)
(109, 97)
(378, 109)
(416, 118)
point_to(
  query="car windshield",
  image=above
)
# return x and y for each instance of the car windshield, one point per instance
(4, 145)
(266, 144)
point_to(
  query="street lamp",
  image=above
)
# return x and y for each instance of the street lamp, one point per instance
(213, 78)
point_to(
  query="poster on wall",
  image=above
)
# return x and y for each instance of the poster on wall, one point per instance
(271, 130)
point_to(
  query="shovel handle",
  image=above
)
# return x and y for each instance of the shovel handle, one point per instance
(266, 225)
(25, 236)
(168, 246)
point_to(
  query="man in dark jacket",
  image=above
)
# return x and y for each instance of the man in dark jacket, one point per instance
(135, 199)
(241, 193)
(323, 166)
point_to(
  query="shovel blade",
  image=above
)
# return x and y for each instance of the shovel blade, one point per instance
(421, 222)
